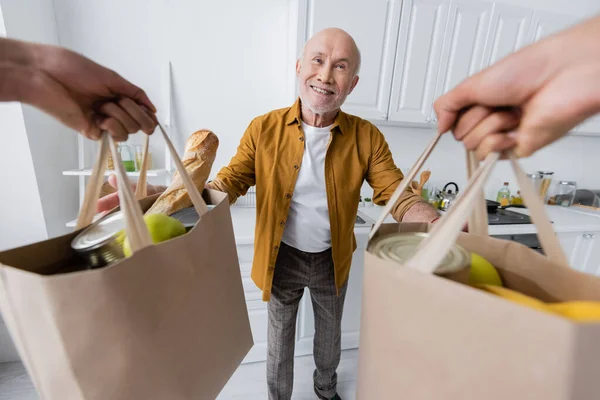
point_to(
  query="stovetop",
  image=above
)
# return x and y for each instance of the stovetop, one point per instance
(507, 217)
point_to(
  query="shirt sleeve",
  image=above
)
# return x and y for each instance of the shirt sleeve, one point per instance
(384, 177)
(236, 178)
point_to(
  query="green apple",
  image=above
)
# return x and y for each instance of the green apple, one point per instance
(161, 228)
(483, 272)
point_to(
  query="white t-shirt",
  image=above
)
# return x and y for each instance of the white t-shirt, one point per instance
(307, 226)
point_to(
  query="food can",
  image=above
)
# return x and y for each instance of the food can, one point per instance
(98, 243)
(399, 247)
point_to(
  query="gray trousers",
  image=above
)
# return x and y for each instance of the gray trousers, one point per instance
(295, 270)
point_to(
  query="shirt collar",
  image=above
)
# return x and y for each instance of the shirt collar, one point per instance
(339, 124)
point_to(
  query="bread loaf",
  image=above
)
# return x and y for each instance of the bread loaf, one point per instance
(200, 151)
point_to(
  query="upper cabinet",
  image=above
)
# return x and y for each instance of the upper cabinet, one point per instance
(420, 40)
(374, 26)
(413, 51)
(463, 49)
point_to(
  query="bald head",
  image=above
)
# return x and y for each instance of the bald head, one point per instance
(337, 40)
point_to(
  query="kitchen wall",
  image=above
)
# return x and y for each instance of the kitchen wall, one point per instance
(40, 147)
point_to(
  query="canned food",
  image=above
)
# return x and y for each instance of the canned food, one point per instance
(98, 242)
(399, 247)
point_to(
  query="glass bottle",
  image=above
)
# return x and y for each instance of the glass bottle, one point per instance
(504, 195)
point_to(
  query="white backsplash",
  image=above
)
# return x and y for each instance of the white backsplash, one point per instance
(572, 158)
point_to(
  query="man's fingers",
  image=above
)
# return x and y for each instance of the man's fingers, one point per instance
(497, 142)
(497, 122)
(469, 120)
(108, 202)
(123, 88)
(114, 111)
(114, 127)
(138, 114)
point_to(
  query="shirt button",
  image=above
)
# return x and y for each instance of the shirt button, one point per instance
(296, 166)
(271, 269)
(282, 223)
(288, 196)
(301, 138)
(276, 247)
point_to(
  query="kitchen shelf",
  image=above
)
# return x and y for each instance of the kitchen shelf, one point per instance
(88, 172)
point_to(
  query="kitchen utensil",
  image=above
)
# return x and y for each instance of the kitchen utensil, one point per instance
(493, 206)
(423, 178)
(448, 196)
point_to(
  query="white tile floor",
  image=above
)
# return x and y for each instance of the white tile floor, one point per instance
(248, 382)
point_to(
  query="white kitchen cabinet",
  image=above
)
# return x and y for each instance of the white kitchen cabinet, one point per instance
(418, 52)
(463, 49)
(374, 27)
(509, 31)
(590, 253)
(583, 250)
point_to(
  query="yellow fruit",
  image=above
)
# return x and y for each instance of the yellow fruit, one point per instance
(516, 297)
(161, 228)
(483, 272)
(581, 311)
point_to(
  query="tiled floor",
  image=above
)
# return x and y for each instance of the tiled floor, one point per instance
(248, 382)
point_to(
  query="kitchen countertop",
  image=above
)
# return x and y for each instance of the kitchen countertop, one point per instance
(564, 219)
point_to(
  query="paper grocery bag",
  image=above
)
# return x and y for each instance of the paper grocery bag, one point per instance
(429, 338)
(170, 322)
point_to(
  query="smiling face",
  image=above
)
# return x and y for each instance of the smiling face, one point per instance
(327, 71)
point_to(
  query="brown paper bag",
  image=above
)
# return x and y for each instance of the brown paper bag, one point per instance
(170, 322)
(424, 337)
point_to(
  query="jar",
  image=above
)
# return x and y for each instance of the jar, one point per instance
(565, 193)
(546, 181)
(536, 180)
(139, 156)
(127, 157)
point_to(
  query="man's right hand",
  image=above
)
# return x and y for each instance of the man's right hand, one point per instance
(552, 86)
(110, 201)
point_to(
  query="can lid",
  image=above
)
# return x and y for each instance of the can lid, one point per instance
(572, 183)
(100, 232)
(546, 172)
(401, 246)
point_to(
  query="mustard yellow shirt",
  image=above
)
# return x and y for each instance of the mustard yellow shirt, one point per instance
(269, 156)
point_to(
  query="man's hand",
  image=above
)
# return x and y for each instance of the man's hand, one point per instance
(552, 86)
(75, 90)
(110, 201)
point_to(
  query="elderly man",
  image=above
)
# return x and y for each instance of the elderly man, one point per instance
(308, 163)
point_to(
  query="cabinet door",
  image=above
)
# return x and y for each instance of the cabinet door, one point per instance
(591, 254)
(463, 48)
(545, 24)
(422, 26)
(573, 245)
(374, 26)
(509, 31)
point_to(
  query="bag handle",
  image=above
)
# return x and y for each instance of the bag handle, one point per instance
(444, 233)
(478, 219)
(135, 226)
(404, 183)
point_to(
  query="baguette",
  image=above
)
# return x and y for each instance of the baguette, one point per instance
(200, 151)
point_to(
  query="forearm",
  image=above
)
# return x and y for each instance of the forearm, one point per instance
(16, 69)
(420, 212)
